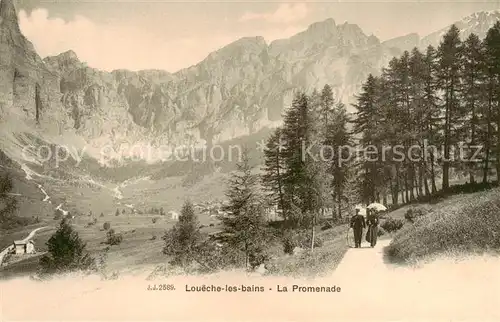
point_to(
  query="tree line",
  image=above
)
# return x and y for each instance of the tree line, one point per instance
(445, 97)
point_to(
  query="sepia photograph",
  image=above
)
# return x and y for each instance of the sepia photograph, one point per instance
(229, 160)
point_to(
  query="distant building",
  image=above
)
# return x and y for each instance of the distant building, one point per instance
(24, 247)
(174, 215)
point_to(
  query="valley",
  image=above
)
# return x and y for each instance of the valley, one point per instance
(236, 96)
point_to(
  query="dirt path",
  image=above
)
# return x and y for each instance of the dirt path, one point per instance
(363, 264)
(32, 233)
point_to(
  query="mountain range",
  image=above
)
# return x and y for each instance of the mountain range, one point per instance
(236, 90)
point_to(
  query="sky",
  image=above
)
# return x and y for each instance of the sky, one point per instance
(175, 34)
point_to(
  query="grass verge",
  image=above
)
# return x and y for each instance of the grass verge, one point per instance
(469, 225)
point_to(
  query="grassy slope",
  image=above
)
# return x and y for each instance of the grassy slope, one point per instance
(322, 261)
(462, 223)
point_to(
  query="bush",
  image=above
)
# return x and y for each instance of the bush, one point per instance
(413, 213)
(58, 214)
(106, 225)
(288, 243)
(391, 224)
(326, 226)
(113, 238)
(102, 215)
(381, 231)
(302, 239)
(154, 220)
(255, 259)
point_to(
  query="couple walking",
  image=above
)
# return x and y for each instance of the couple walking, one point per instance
(358, 223)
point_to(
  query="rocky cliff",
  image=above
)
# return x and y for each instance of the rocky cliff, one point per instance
(234, 91)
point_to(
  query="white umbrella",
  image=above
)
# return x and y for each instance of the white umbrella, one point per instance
(362, 211)
(377, 206)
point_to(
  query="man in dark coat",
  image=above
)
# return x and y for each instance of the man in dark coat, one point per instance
(357, 225)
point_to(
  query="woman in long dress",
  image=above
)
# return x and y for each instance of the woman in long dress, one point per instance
(372, 222)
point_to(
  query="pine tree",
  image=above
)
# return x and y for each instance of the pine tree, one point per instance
(296, 134)
(449, 55)
(327, 105)
(431, 110)
(245, 224)
(274, 171)
(473, 89)
(368, 125)
(38, 103)
(182, 241)
(338, 137)
(66, 252)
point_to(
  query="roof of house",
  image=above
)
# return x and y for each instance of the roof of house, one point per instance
(23, 242)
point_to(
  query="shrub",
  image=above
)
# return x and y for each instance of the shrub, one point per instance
(413, 213)
(381, 232)
(288, 243)
(102, 215)
(113, 238)
(213, 256)
(391, 224)
(257, 258)
(154, 220)
(106, 225)
(301, 239)
(327, 226)
(58, 214)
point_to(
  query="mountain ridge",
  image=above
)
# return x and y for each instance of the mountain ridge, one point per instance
(236, 90)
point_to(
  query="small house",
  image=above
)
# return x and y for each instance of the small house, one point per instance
(24, 247)
(174, 215)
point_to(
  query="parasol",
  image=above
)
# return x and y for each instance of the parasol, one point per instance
(377, 206)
